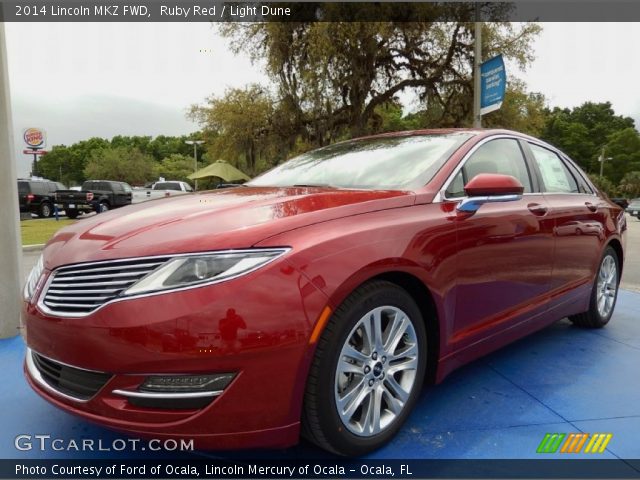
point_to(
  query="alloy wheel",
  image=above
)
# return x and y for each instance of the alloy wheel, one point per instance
(376, 371)
(607, 286)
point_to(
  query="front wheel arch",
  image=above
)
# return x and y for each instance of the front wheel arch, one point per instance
(321, 424)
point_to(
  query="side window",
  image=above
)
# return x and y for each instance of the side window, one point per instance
(583, 186)
(40, 188)
(117, 188)
(555, 175)
(502, 156)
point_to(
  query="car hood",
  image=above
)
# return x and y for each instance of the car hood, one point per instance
(220, 219)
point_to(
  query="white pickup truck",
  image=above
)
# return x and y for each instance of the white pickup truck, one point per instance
(161, 190)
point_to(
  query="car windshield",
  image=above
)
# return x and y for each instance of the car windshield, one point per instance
(389, 163)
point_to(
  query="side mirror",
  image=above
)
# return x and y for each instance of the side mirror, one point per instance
(491, 184)
(490, 187)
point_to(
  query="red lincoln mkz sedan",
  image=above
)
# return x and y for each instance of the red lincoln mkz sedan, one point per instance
(320, 296)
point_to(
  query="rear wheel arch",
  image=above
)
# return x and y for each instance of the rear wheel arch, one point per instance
(617, 247)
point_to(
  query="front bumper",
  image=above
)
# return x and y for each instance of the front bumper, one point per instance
(235, 326)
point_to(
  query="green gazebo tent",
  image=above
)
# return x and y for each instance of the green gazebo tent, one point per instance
(220, 169)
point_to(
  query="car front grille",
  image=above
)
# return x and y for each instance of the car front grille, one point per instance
(78, 290)
(74, 382)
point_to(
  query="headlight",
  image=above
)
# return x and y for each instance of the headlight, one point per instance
(197, 269)
(32, 280)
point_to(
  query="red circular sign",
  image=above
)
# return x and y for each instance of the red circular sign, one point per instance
(34, 137)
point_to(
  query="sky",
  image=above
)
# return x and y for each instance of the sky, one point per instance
(79, 80)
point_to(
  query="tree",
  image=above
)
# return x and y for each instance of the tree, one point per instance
(623, 148)
(175, 167)
(522, 111)
(604, 184)
(336, 75)
(630, 184)
(239, 125)
(122, 164)
(67, 164)
(583, 131)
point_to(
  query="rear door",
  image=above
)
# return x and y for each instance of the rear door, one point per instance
(120, 196)
(579, 218)
(504, 250)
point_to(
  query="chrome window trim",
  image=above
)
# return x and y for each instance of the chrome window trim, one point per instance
(35, 374)
(62, 314)
(441, 195)
(167, 395)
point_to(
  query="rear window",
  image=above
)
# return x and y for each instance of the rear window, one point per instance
(167, 186)
(23, 187)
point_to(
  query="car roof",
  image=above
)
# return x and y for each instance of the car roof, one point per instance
(483, 132)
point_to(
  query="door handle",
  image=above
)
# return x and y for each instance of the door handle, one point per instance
(591, 206)
(537, 209)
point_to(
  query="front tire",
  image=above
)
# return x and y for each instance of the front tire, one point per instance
(604, 293)
(367, 371)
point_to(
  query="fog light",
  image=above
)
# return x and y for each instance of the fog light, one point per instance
(186, 383)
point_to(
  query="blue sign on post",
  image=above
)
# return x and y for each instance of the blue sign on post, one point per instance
(493, 84)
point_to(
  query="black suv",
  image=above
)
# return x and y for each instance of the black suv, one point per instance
(37, 196)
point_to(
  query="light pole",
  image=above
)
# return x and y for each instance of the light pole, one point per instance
(477, 59)
(195, 144)
(601, 159)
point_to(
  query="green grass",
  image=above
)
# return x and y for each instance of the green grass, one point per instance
(40, 231)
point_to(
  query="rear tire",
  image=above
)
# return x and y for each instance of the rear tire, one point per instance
(45, 210)
(103, 207)
(604, 294)
(362, 385)
(71, 213)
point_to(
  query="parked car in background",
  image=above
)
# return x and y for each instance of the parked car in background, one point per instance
(321, 295)
(37, 196)
(95, 195)
(161, 190)
(622, 202)
(634, 208)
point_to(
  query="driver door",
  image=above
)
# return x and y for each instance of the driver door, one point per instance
(504, 249)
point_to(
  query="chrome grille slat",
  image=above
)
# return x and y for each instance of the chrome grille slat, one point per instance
(83, 288)
(107, 275)
(105, 269)
(72, 291)
(119, 282)
(90, 306)
(55, 297)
